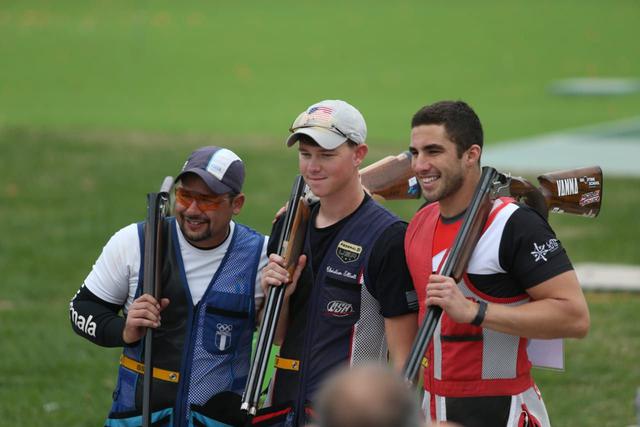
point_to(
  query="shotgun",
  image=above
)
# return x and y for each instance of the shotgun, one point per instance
(290, 243)
(473, 221)
(157, 210)
(574, 191)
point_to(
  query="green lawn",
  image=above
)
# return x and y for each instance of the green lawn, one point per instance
(100, 100)
(61, 208)
(247, 68)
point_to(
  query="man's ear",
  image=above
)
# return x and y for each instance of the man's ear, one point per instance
(237, 203)
(360, 153)
(472, 155)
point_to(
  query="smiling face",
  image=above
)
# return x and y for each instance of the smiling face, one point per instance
(329, 172)
(202, 215)
(439, 168)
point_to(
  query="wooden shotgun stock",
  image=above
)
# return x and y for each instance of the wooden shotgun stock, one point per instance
(474, 219)
(391, 178)
(157, 206)
(290, 243)
(572, 191)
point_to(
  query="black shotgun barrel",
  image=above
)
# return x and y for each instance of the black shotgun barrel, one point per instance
(251, 395)
(157, 206)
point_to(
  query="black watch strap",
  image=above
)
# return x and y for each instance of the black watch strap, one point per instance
(482, 311)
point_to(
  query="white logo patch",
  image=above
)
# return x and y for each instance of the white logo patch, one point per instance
(220, 162)
(223, 336)
(339, 308)
(540, 251)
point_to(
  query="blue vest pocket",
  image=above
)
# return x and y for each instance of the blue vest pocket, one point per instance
(124, 394)
(223, 329)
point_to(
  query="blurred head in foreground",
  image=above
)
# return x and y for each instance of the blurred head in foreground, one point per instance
(367, 396)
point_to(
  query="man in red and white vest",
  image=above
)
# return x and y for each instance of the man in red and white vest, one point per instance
(519, 283)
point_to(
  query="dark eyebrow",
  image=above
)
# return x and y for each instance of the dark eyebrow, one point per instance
(432, 146)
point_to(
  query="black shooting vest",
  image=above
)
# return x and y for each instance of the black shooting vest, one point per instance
(334, 319)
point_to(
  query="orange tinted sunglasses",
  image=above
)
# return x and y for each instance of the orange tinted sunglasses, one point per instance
(204, 203)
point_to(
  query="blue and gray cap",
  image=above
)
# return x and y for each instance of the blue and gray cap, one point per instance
(220, 168)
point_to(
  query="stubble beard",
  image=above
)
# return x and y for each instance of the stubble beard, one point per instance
(450, 185)
(195, 236)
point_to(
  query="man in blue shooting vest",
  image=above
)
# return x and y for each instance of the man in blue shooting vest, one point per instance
(350, 300)
(205, 318)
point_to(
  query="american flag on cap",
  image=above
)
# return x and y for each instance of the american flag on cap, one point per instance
(320, 114)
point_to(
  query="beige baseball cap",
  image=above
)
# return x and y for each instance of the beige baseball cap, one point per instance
(330, 123)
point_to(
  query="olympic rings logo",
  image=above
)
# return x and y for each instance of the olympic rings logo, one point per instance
(224, 328)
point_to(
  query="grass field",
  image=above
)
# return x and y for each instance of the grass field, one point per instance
(99, 101)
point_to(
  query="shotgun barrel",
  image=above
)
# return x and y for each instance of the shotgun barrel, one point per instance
(290, 243)
(157, 206)
(472, 224)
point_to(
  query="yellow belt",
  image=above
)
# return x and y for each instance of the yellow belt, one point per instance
(288, 364)
(161, 374)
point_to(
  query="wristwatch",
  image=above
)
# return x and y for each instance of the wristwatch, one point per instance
(482, 311)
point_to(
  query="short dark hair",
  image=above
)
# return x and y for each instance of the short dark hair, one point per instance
(461, 123)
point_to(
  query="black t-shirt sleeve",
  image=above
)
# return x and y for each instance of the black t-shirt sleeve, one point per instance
(96, 320)
(274, 237)
(529, 249)
(389, 279)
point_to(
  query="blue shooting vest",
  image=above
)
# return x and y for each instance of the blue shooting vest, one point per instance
(209, 345)
(321, 333)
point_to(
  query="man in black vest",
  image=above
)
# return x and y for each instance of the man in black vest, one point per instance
(351, 297)
(211, 291)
